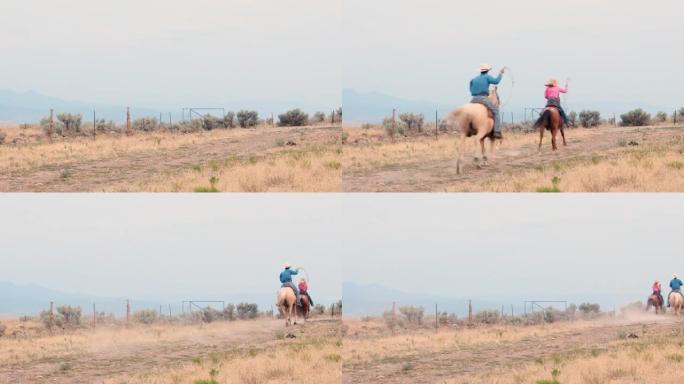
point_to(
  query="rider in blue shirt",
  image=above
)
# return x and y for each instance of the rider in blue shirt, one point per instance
(675, 286)
(479, 89)
(286, 279)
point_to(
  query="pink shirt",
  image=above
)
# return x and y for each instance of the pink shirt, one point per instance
(554, 92)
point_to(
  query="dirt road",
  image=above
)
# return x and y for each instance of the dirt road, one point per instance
(133, 167)
(425, 175)
(462, 361)
(99, 362)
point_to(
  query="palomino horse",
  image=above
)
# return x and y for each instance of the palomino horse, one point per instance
(676, 302)
(655, 302)
(304, 309)
(286, 304)
(550, 119)
(474, 119)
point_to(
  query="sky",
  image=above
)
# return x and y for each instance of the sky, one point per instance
(160, 246)
(515, 247)
(616, 53)
(158, 53)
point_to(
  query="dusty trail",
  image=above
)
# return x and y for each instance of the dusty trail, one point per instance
(130, 168)
(475, 359)
(91, 366)
(437, 175)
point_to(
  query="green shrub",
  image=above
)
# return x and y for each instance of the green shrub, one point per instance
(413, 122)
(247, 118)
(660, 117)
(293, 118)
(572, 119)
(145, 124)
(318, 117)
(247, 311)
(229, 120)
(145, 316)
(412, 314)
(3, 136)
(635, 118)
(590, 119)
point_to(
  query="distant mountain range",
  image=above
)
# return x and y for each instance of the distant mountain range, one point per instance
(30, 299)
(31, 106)
(374, 299)
(373, 107)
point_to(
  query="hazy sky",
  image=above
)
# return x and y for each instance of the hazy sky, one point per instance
(169, 246)
(515, 246)
(621, 51)
(173, 52)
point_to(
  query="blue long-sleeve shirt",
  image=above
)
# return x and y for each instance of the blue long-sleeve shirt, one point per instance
(676, 284)
(286, 275)
(479, 86)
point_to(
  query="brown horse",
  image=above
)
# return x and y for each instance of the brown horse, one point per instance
(286, 304)
(550, 119)
(473, 119)
(304, 309)
(676, 302)
(654, 301)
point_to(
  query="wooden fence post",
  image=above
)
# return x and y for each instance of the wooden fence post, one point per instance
(94, 316)
(470, 312)
(128, 310)
(128, 121)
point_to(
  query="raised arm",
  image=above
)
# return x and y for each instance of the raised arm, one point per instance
(495, 80)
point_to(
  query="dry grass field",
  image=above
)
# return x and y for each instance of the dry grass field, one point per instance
(641, 349)
(606, 159)
(235, 160)
(329, 159)
(250, 352)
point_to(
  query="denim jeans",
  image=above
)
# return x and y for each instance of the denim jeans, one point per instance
(484, 100)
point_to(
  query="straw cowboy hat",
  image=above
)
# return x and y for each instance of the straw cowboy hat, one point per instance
(552, 83)
(485, 68)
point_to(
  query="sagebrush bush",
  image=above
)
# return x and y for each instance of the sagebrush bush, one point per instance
(247, 311)
(589, 309)
(71, 123)
(488, 316)
(412, 314)
(247, 118)
(660, 117)
(590, 119)
(3, 328)
(318, 117)
(293, 118)
(66, 316)
(145, 316)
(394, 128)
(145, 124)
(635, 118)
(318, 309)
(3, 136)
(229, 119)
(572, 119)
(229, 312)
(413, 121)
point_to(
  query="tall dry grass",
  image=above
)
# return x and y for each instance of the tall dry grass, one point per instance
(659, 360)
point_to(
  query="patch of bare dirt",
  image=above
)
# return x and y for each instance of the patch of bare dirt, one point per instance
(85, 367)
(464, 361)
(97, 175)
(431, 175)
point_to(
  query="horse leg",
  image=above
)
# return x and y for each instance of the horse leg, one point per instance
(541, 136)
(553, 139)
(563, 136)
(461, 152)
(483, 151)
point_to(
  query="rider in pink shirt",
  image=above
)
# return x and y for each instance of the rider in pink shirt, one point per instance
(552, 95)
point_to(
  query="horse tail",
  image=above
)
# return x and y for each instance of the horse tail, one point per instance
(544, 120)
